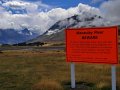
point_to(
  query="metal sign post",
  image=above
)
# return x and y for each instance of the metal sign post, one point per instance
(72, 75)
(113, 72)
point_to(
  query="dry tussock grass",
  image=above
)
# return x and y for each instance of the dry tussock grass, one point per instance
(47, 85)
(32, 66)
(24, 53)
(102, 85)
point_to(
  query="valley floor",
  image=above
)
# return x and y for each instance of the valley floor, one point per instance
(40, 69)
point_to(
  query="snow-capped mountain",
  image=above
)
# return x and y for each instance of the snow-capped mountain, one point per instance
(11, 36)
(56, 32)
(87, 20)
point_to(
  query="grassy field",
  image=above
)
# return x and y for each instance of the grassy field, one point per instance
(48, 70)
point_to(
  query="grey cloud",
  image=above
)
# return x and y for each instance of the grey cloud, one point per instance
(111, 10)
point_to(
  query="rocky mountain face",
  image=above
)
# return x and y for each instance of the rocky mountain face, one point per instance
(56, 32)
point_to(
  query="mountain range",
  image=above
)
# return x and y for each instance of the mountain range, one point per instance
(10, 36)
(52, 31)
(55, 32)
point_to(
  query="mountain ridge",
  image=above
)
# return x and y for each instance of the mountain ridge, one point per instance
(56, 32)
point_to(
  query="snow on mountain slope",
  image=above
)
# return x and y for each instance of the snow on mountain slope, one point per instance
(56, 32)
(77, 21)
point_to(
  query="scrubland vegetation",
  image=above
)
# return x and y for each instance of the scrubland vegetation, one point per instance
(48, 70)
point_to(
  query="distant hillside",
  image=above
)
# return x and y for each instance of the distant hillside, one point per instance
(11, 36)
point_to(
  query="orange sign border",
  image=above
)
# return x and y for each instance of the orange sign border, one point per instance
(117, 62)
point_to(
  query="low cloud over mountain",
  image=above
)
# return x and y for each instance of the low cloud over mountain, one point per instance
(56, 32)
(39, 21)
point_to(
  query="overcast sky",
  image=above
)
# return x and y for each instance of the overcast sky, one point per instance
(32, 14)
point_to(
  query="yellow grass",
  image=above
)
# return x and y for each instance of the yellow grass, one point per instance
(47, 85)
(23, 70)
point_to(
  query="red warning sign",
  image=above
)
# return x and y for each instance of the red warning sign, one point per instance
(92, 45)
